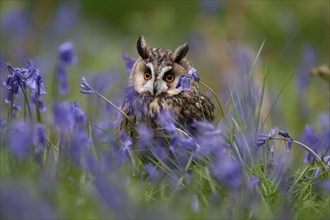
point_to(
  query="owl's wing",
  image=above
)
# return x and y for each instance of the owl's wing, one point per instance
(207, 108)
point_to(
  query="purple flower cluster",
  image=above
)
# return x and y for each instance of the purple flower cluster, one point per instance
(130, 61)
(184, 80)
(20, 78)
(24, 138)
(317, 141)
(69, 118)
(66, 58)
(18, 202)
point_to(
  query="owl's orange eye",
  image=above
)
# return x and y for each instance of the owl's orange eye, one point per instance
(147, 75)
(169, 78)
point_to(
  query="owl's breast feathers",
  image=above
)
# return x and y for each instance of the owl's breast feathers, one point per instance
(145, 108)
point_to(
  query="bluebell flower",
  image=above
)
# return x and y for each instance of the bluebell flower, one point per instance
(184, 83)
(62, 78)
(253, 182)
(18, 202)
(227, 171)
(100, 82)
(20, 139)
(87, 89)
(288, 138)
(29, 75)
(78, 145)
(66, 57)
(146, 134)
(2, 123)
(126, 147)
(113, 196)
(184, 80)
(130, 61)
(317, 172)
(13, 82)
(262, 139)
(312, 139)
(68, 115)
(166, 120)
(61, 115)
(183, 148)
(194, 202)
(211, 7)
(209, 137)
(66, 53)
(78, 115)
(36, 100)
(326, 159)
(21, 77)
(39, 138)
(193, 73)
(152, 171)
(308, 60)
(34, 80)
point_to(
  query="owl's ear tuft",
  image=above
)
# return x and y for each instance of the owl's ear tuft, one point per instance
(180, 53)
(142, 47)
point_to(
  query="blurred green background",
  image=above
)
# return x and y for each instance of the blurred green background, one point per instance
(224, 37)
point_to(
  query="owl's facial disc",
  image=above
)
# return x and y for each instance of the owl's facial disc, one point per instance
(154, 83)
(156, 79)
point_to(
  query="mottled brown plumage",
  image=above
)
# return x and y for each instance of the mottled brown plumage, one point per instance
(152, 90)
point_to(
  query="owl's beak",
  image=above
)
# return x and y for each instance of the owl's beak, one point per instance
(158, 88)
(152, 89)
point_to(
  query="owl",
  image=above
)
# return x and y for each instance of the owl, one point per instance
(152, 91)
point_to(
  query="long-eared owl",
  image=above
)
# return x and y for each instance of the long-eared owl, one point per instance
(152, 90)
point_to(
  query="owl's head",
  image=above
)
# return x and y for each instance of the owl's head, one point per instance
(157, 70)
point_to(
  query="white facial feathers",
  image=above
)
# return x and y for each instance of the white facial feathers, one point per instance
(156, 85)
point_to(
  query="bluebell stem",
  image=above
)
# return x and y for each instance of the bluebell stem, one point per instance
(130, 61)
